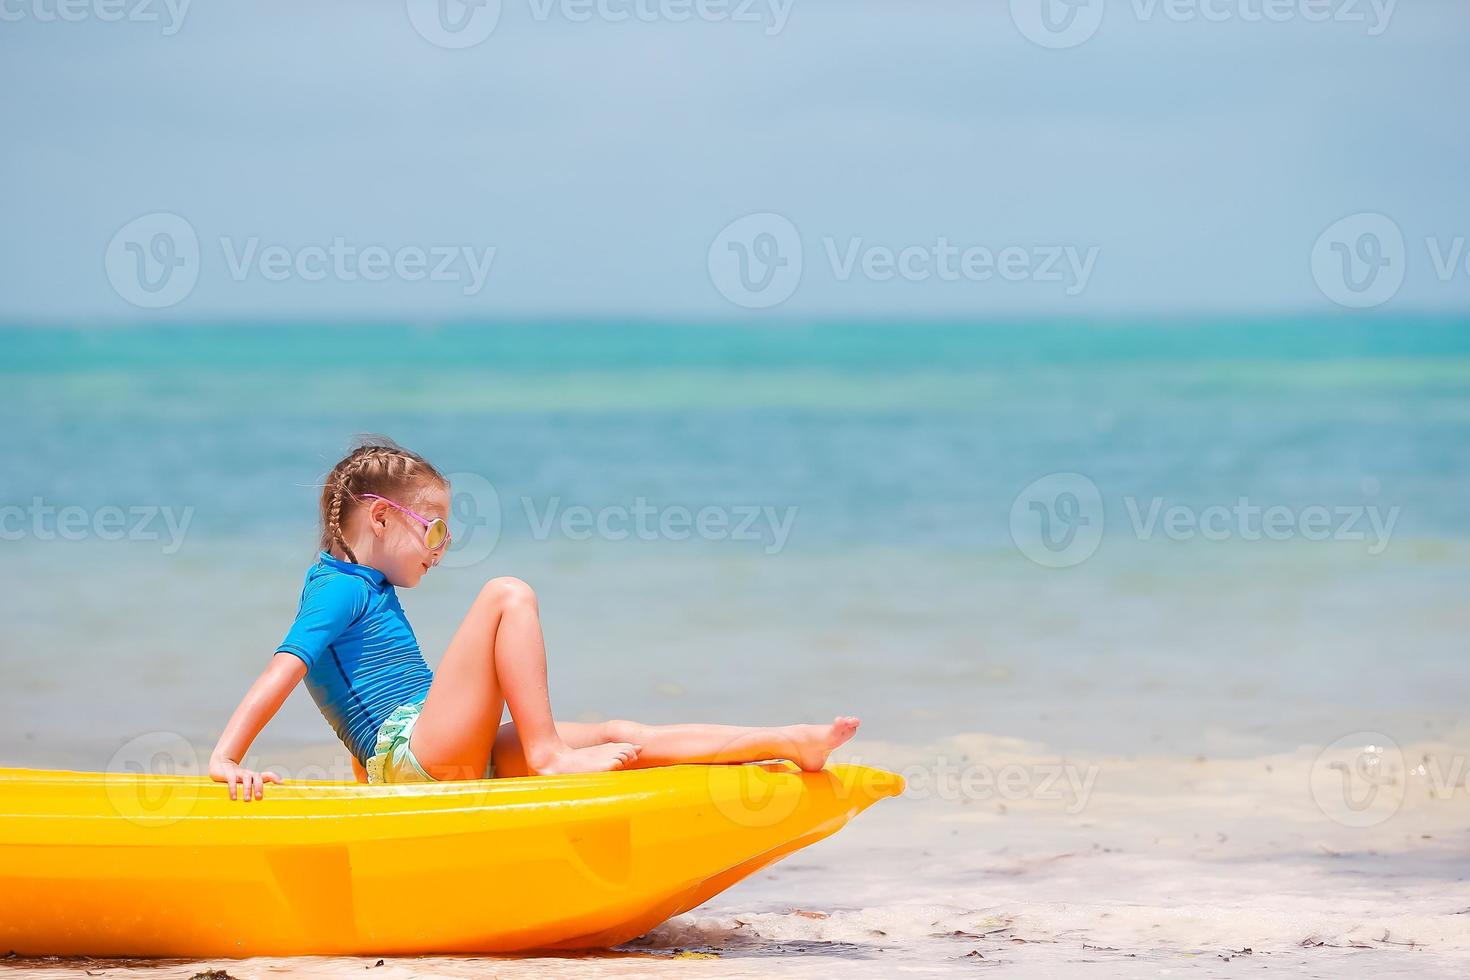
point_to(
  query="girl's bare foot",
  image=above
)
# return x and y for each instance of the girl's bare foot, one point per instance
(811, 744)
(594, 758)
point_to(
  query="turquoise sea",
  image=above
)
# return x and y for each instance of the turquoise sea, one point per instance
(858, 553)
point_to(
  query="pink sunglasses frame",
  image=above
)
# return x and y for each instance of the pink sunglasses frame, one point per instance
(426, 522)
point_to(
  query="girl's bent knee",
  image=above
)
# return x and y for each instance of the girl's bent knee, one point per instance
(508, 590)
(619, 730)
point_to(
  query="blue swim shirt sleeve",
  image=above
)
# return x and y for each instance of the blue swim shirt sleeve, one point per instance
(328, 606)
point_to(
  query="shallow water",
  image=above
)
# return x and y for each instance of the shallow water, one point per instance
(885, 573)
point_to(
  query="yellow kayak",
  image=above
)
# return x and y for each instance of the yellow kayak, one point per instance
(144, 865)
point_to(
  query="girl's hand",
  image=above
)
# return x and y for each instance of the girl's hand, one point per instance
(251, 783)
(263, 700)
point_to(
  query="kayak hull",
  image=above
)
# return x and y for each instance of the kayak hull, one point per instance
(147, 865)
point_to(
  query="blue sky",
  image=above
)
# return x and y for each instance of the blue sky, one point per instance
(923, 159)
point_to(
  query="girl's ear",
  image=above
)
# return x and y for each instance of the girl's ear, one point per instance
(378, 517)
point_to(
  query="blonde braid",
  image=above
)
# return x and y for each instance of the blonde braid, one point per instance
(334, 520)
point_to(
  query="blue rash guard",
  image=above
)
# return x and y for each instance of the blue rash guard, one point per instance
(362, 659)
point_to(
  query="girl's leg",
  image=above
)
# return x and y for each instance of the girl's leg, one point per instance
(498, 653)
(668, 745)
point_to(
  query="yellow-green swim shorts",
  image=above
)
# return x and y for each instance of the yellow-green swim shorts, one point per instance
(393, 761)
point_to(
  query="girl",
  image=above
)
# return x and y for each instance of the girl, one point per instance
(384, 513)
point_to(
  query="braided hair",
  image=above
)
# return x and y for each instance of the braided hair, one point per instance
(378, 465)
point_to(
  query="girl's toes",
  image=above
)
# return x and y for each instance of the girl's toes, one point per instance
(843, 728)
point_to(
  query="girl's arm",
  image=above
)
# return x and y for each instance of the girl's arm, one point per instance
(259, 705)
